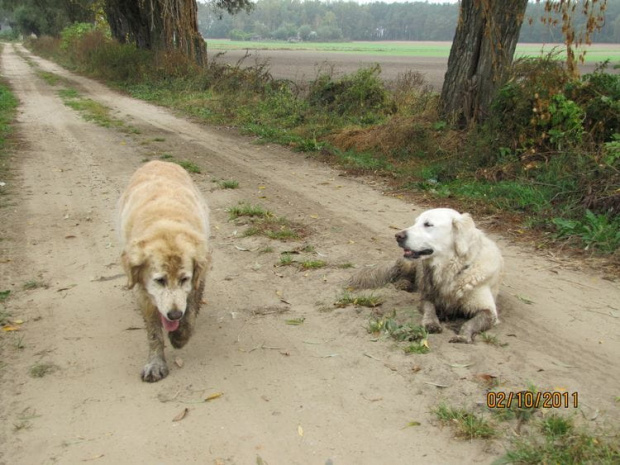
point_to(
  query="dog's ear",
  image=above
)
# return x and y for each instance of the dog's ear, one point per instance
(464, 233)
(201, 266)
(133, 261)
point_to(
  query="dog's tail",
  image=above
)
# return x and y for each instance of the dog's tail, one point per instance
(401, 273)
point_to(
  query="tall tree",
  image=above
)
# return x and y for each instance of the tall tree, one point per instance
(484, 44)
(163, 24)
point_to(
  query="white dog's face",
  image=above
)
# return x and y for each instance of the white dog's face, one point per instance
(167, 275)
(433, 234)
(169, 287)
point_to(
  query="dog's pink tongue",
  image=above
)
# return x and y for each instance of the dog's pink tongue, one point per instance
(169, 325)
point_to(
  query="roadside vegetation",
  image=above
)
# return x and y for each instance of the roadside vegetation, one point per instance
(546, 160)
(536, 435)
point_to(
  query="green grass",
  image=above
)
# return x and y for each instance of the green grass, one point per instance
(89, 109)
(4, 295)
(557, 439)
(248, 210)
(347, 299)
(8, 107)
(415, 335)
(228, 184)
(596, 52)
(466, 423)
(51, 78)
(265, 223)
(34, 284)
(41, 369)
(313, 264)
(189, 166)
(492, 340)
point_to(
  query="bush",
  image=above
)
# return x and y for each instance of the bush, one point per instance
(362, 94)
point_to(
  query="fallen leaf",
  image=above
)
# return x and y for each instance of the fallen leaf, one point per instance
(93, 458)
(181, 415)
(300, 430)
(210, 397)
(295, 321)
(416, 368)
(179, 362)
(524, 299)
(437, 384)
(315, 217)
(486, 378)
(70, 237)
(8, 328)
(412, 423)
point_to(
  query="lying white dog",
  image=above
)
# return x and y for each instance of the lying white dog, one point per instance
(454, 266)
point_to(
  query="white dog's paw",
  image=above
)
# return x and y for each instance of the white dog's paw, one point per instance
(155, 370)
(461, 340)
(432, 327)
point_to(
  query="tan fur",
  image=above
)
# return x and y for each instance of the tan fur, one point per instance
(164, 228)
(460, 277)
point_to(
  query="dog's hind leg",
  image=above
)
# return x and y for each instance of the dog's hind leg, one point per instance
(481, 321)
(156, 367)
(430, 321)
(180, 337)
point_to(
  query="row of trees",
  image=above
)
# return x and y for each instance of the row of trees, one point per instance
(483, 46)
(346, 20)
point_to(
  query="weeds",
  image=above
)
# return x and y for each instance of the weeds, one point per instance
(41, 369)
(558, 440)
(415, 335)
(347, 299)
(34, 284)
(466, 423)
(189, 166)
(265, 223)
(89, 109)
(492, 340)
(228, 184)
(313, 264)
(244, 209)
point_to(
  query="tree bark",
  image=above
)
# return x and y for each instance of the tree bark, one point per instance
(159, 25)
(482, 51)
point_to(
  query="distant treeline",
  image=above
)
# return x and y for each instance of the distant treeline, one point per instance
(314, 20)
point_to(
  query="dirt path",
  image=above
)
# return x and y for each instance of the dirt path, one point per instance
(321, 392)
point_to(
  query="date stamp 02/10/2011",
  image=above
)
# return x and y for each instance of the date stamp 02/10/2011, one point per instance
(531, 399)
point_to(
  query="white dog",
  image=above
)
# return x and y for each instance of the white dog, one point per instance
(454, 266)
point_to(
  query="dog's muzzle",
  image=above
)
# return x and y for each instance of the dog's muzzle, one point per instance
(401, 238)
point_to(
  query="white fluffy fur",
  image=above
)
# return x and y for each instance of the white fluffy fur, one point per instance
(455, 267)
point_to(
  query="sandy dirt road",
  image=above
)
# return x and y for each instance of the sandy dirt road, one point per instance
(322, 392)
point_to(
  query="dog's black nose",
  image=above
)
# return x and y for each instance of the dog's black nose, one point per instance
(174, 315)
(401, 237)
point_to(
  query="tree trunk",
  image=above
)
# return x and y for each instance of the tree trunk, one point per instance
(484, 44)
(159, 25)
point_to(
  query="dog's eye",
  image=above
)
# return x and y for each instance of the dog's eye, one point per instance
(184, 280)
(427, 224)
(161, 281)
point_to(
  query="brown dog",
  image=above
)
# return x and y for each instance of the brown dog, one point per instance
(164, 227)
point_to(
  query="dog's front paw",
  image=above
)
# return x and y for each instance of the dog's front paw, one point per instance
(155, 370)
(461, 340)
(433, 327)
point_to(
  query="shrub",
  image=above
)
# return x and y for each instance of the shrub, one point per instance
(361, 94)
